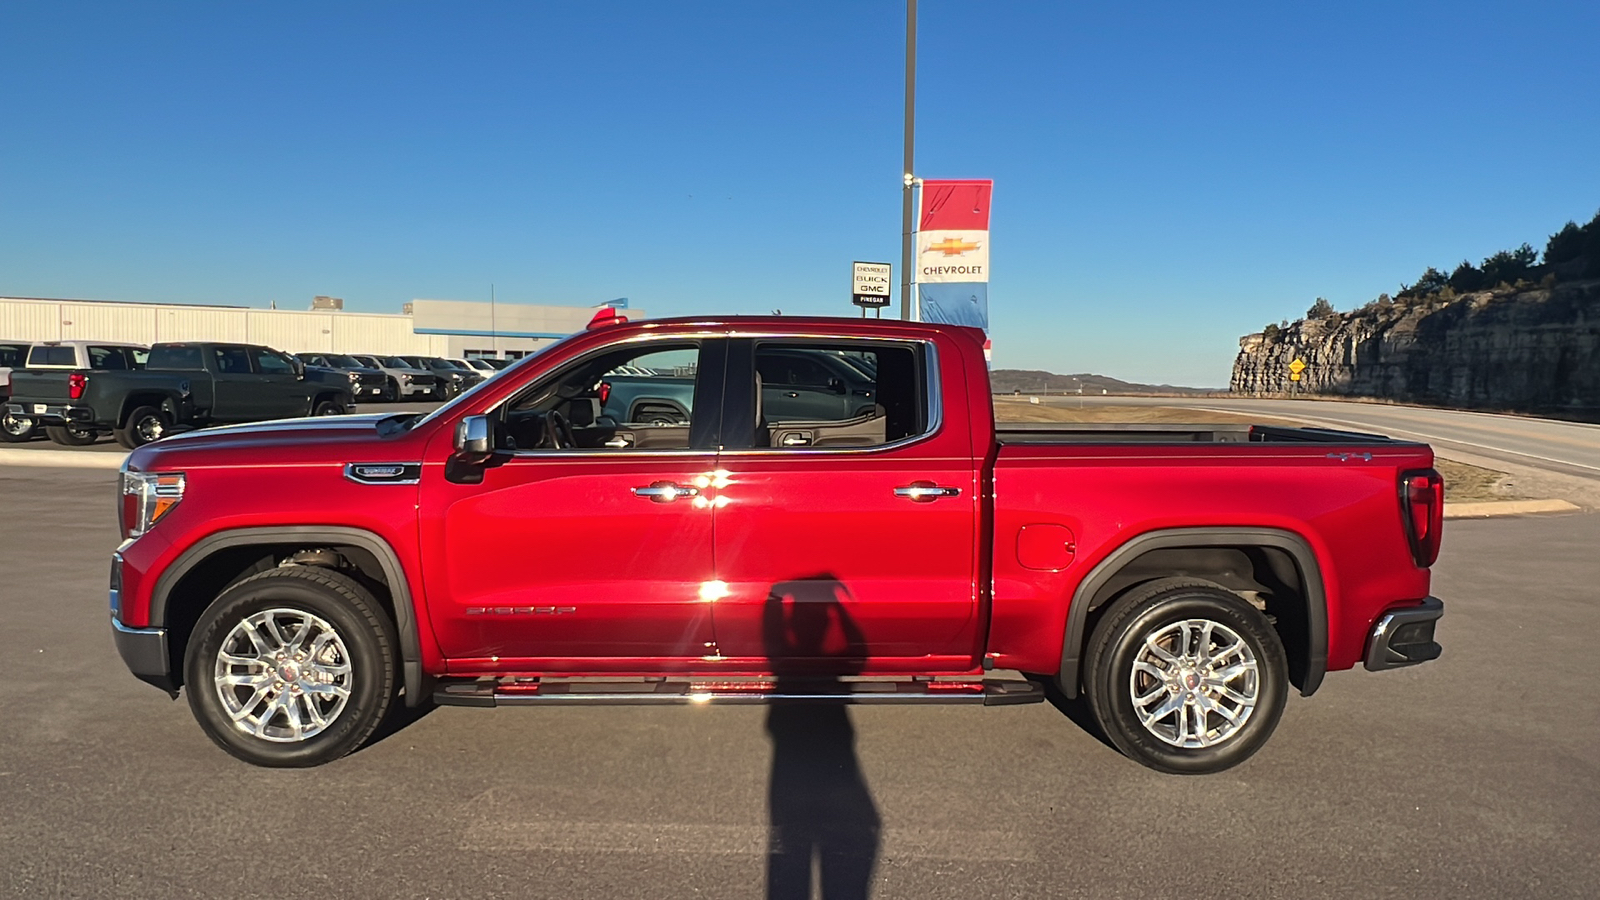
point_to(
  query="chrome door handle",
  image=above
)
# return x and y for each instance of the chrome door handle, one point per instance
(665, 491)
(925, 491)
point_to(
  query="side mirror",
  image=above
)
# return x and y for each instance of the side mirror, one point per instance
(474, 440)
(836, 385)
(299, 366)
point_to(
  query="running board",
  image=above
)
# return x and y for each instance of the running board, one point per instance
(512, 691)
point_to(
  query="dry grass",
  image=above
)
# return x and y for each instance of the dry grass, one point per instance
(1462, 483)
(1469, 484)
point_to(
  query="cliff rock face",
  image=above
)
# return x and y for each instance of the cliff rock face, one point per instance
(1534, 350)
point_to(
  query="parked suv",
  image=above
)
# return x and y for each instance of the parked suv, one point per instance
(410, 382)
(366, 382)
(455, 377)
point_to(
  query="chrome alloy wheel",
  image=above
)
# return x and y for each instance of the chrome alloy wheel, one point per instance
(1194, 683)
(15, 425)
(283, 675)
(150, 428)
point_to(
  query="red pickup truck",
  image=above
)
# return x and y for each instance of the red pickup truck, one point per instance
(521, 545)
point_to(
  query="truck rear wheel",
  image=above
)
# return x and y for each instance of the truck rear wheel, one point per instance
(291, 667)
(328, 408)
(71, 435)
(17, 429)
(1185, 677)
(144, 425)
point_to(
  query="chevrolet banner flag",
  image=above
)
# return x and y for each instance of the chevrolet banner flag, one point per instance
(953, 252)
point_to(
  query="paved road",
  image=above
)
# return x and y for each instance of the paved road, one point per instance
(1476, 776)
(1568, 447)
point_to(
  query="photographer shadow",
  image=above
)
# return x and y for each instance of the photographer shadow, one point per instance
(824, 827)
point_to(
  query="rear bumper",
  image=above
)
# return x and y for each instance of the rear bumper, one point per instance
(51, 414)
(1404, 637)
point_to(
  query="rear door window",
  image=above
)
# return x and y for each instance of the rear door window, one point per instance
(231, 360)
(176, 357)
(819, 396)
(116, 358)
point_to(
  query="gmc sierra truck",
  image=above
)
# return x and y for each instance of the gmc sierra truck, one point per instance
(181, 384)
(520, 546)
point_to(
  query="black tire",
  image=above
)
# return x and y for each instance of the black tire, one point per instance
(1153, 610)
(71, 435)
(327, 408)
(17, 429)
(145, 424)
(355, 618)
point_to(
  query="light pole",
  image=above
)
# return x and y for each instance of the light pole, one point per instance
(909, 178)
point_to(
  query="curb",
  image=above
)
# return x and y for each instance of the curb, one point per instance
(1489, 508)
(60, 459)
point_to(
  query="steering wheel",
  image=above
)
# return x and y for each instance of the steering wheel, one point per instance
(558, 431)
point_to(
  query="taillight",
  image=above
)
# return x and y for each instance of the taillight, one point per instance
(76, 382)
(1422, 504)
(605, 392)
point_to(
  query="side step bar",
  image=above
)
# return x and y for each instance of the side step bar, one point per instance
(513, 691)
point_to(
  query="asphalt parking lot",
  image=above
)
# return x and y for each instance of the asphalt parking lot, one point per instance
(1475, 776)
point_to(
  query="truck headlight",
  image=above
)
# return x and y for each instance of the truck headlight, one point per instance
(354, 376)
(147, 497)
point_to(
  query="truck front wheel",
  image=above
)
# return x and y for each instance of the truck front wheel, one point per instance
(291, 667)
(1185, 677)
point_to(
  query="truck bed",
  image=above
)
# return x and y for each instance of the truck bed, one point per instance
(1166, 433)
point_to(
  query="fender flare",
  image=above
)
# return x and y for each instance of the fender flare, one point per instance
(393, 572)
(1305, 559)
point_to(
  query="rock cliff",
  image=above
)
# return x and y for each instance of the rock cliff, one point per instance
(1535, 350)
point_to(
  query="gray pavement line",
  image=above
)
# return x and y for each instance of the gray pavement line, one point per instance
(747, 840)
(1425, 436)
(1478, 509)
(60, 459)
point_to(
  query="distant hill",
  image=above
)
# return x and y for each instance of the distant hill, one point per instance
(1033, 381)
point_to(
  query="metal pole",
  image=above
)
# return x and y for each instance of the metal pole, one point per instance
(909, 177)
(494, 331)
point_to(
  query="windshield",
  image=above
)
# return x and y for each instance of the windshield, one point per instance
(465, 396)
(348, 362)
(11, 355)
(395, 362)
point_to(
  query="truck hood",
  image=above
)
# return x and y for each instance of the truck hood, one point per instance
(321, 439)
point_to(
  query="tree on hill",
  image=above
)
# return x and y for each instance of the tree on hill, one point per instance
(1565, 245)
(1320, 309)
(1466, 278)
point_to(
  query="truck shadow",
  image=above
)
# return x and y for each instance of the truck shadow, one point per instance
(823, 825)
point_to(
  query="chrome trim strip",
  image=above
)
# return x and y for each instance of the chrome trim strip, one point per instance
(117, 624)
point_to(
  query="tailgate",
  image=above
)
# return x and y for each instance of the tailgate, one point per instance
(29, 386)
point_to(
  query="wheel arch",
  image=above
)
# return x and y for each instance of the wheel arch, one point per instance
(213, 563)
(1279, 560)
(162, 400)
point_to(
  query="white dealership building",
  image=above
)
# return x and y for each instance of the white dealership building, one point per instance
(427, 327)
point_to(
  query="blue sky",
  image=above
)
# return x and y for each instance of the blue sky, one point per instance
(1168, 176)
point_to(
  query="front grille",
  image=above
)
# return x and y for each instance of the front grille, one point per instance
(422, 379)
(373, 378)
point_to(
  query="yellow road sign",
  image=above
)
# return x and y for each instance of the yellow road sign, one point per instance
(1296, 367)
(1294, 376)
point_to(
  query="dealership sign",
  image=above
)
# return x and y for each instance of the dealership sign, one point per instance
(870, 283)
(953, 252)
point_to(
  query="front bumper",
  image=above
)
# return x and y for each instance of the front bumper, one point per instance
(48, 414)
(1404, 637)
(144, 650)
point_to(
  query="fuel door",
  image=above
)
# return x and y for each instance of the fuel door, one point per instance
(1046, 547)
